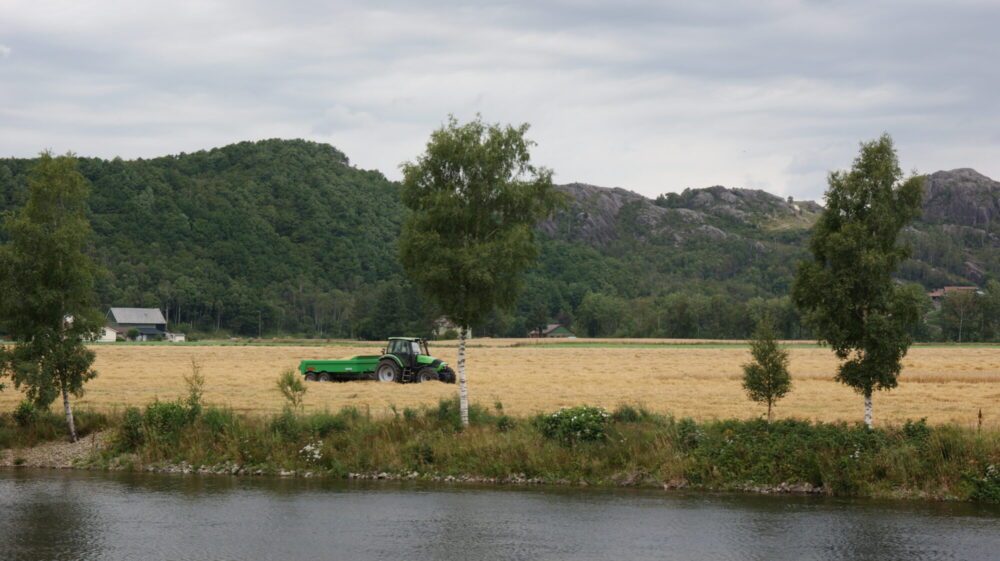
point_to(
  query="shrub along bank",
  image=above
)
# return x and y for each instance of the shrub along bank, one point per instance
(28, 425)
(582, 445)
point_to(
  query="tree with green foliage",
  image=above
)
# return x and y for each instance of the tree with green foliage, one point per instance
(292, 389)
(599, 314)
(846, 293)
(766, 378)
(538, 319)
(961, 313)
(474, 199)
(47, 288)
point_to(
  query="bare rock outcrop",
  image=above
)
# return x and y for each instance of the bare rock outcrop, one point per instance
(962, 196)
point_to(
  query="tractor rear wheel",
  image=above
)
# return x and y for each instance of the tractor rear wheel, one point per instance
(310, 376)
(426, 374)
(387, 371)
(325, 377)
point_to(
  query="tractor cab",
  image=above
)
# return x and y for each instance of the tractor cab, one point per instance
(407, 350)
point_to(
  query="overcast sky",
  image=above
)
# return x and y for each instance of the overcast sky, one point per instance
(648, 96)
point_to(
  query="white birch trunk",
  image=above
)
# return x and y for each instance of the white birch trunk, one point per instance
(69, 416)
(868, 410)
(463, 390)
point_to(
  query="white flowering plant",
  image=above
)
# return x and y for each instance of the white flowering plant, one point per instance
(574, 424)
(987, 488)
(312, 452)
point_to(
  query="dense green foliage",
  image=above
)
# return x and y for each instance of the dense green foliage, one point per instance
(766, 378)
(638, 449)
(266, 237)
(47, 302)
(475, 201)
(286, 237)
(847, 292)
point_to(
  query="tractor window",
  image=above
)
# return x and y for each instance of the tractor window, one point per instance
(397, 347)
(415, 347)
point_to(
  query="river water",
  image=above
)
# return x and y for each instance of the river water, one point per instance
(75, 515)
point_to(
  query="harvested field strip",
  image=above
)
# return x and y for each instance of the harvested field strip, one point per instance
(944, 384)
(657, 346)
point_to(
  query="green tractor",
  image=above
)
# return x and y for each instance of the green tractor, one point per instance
(406, 359)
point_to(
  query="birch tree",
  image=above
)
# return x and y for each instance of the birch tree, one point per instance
(474, 199)
(846, 293)
(766, 378)
(47, 288)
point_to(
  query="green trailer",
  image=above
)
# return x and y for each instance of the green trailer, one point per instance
(405, 359)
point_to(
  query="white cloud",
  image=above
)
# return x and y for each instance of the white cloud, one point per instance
(650, 96)
(5, 51)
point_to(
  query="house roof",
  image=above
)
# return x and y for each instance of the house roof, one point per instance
(550, 328)
(138, 315)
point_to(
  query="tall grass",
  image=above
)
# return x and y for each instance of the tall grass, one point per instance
(636, 447)
(28, 425)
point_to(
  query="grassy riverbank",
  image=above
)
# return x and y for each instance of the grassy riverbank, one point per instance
(624, 447)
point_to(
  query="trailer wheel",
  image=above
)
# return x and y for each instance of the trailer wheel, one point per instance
(310, 376)
(387, 371)
(426, 374)
(324, 377)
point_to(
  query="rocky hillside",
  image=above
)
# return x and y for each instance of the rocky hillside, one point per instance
(598, 215)
(962, 197)
(957, 241)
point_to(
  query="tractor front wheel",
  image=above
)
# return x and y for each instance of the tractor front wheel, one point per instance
(426, 374)
(387, 371)
(447, 375)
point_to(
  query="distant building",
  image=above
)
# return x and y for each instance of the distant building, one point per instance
(443, 325)
(938, 296)
(552, 330)
(148, 322)
(108, 335)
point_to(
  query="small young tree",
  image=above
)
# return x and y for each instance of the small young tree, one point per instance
(846, 293)
(766, 378)
(474, 201)
(47, 286)
(291, 387)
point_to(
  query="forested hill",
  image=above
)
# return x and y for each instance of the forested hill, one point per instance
(271, 234)
(287, 237)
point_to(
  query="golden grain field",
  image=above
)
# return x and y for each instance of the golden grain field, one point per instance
(944, 384)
